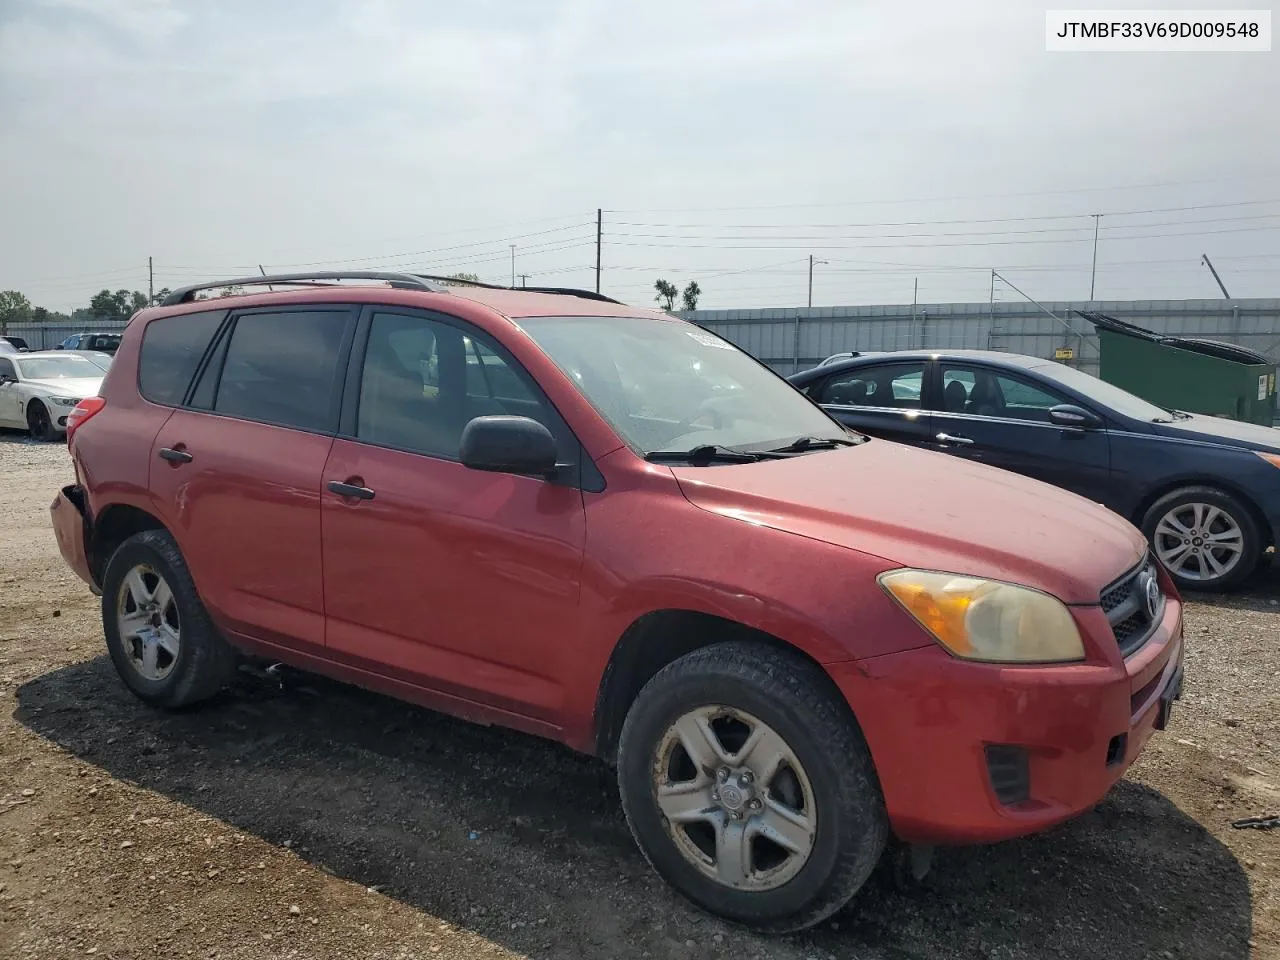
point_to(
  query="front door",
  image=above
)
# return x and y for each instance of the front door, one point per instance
(12, 410)
(1002, 420)
(238, 471)
(461, 581)
(882, 400)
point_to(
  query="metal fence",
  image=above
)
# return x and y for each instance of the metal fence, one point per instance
(46, 336)
(798, 338)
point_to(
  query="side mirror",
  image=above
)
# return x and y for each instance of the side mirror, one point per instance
(508, 445)
(1069, 415)
(5, 378)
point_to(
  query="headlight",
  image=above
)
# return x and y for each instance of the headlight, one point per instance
(988, 620)
(65, 401)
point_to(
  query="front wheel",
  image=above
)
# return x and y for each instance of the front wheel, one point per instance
(39, 423)
(749, 788)
(1205, 537)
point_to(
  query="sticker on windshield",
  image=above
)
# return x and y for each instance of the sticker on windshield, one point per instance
(707, 340)
(1262, 387)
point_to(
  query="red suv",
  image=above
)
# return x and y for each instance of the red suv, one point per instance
(609, 527)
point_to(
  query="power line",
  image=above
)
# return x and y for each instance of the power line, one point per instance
(895, 246)
(987, 196)
(953, 233)
(923, 223)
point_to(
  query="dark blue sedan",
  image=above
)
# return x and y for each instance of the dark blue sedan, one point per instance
(1205, 491)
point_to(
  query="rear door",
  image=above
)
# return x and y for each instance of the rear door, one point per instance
(239, 469)
(1001, 418)
(883, 400)
(462, 581)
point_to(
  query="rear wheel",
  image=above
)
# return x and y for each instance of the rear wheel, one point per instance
(39, 423)
(161, 640)
(1206, 538)
(749, 788)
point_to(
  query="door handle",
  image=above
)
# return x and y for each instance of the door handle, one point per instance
(175, 456)
(350, 490)
(950, 438)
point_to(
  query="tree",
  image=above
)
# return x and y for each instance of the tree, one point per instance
(14, 307)
(691, 294)
(120, 305)
(161, 294)
(462, 279)
(666, 292)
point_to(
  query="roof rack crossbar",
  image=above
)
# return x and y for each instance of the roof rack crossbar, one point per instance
(403, 281)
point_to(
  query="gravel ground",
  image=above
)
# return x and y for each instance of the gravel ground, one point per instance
(319, 821)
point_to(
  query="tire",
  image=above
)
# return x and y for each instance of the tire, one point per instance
(179, 659)
(1220, 543)
(835, 791)
(40, 423)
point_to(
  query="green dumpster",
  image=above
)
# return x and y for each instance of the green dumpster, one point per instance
(1186, 373)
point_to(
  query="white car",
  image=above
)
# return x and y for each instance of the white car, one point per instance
(38, 390)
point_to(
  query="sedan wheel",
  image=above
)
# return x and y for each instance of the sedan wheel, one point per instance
(1205, 537)
(147, 618)
(38, 422)
(737, 802)
(1198, 541)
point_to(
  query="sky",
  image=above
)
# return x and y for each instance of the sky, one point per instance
(909, 148)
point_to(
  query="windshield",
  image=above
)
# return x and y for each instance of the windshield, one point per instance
(56, 368)
(670, 385)
(1107, 394)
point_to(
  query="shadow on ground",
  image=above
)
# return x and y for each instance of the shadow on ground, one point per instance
(479, 826)
(1260, 592)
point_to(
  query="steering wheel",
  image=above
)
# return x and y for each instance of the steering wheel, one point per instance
(704, 412)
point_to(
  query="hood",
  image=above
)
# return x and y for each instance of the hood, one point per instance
(915, 508)
(1217, 430)
(78, 387)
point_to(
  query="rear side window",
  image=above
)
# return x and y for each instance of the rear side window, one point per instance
(282, 368)
(171, 351)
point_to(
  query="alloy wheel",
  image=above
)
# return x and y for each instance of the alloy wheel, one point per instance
(1199, 541)
(150, 628)
(737, 802)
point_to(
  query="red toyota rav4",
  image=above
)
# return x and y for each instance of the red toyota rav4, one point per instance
(607, 526)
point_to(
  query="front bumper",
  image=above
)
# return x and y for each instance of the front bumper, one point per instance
(71, 527)
(930, 718)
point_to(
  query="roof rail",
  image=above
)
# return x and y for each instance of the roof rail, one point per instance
(403, 281)
(563, 291)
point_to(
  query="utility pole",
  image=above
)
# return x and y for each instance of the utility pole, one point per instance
(599, 234)
(811, 263)
(915, 296)
(1204, 258)
(513, 265)
(1097, 217)
(151, 282)
(524, 279)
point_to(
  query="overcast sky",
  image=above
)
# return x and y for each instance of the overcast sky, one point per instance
(725, 142)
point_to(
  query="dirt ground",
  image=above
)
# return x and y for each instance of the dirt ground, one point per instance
(319, 821)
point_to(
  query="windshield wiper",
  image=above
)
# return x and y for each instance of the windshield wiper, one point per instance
(800, 444)
(705, 454)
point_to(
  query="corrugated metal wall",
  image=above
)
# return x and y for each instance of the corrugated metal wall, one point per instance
(780, 336)
(46, 336)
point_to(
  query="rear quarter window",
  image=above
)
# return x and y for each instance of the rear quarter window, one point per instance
(171, 351)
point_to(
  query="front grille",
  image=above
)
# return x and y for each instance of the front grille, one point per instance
(1126, 606)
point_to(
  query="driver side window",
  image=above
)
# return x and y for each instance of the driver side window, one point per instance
(985, 393)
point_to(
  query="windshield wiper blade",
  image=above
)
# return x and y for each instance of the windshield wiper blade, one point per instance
(707, 453)
(800, 444)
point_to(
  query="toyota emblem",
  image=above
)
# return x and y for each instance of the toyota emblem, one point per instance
(1150, 593)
